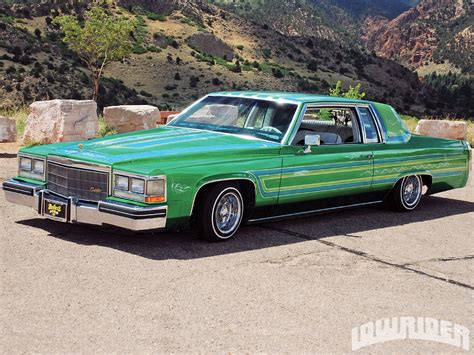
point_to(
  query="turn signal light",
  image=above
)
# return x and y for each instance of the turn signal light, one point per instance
(154, 199)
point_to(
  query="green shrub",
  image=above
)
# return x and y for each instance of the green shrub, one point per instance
(20, 115)
(277, 73)
(10, 70)
(104, 130)
(313, 65)
(155, 17)
(154, 49)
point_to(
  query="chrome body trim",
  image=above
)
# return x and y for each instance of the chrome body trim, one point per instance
(255, 97)
(22, 193)
(131, 217)
(220, 180)
(301, 214)
(79, 164)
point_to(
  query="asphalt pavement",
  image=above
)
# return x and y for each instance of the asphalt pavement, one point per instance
(290, 287)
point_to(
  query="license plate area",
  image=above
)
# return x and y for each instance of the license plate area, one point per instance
(55, 208)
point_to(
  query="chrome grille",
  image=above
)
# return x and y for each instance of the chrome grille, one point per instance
(84, 184)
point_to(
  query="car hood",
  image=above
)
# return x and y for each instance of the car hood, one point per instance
(161, 144)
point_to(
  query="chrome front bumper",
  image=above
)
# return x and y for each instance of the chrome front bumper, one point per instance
(135, 218)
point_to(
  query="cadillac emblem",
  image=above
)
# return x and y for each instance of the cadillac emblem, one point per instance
(95, 189)
(81, 146)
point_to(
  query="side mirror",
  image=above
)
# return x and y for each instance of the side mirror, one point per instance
(311, 140)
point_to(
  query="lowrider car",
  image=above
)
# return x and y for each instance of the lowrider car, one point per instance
(237, 157)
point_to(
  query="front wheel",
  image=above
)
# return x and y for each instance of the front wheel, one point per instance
(221, 213)
(407, 193)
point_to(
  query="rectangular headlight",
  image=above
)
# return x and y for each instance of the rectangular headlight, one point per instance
(150, 189)
(137, 186)
(156, 187)
(25, 163)
(38, 166)
(31, 167)
(121, 182)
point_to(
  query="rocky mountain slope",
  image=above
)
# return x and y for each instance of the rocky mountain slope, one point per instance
(185, 49)
(329, 19)
(432, 33)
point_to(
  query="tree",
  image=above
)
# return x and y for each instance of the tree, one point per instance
(101, 39)
(352, 93)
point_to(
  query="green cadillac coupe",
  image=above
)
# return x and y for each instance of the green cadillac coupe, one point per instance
(236, 157)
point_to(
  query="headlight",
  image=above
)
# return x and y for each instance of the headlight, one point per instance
(121, 182)
(31, 167)
(155, 187)
(150, 189)
(38, 166)
(25, 164)
(137, 186)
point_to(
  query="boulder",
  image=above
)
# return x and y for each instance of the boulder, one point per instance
(7, 129)
(61, 121)
(171, 118)
(210, 44)
(442, 129)
(167, 116)
(128, 118)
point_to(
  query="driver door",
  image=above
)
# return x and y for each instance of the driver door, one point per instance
(334, 174)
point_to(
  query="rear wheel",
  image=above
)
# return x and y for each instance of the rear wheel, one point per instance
(221, 212)
(407, 193)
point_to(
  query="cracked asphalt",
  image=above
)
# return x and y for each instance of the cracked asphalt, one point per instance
(293, 286)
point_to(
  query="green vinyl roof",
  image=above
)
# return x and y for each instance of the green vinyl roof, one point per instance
(287, 96)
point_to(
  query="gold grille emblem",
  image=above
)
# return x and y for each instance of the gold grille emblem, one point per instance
(53, 209)
(95, 189)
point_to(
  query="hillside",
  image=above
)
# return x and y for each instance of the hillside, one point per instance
(184, 50)
(330, 19)
(436, 35)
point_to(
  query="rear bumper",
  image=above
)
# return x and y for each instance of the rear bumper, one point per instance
(134, 218)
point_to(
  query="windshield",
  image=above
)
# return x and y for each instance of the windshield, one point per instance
(258, 118)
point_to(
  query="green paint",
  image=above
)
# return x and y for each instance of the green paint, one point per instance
(281, 173)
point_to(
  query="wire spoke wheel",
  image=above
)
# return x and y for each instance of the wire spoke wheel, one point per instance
(227, 212)
(411, 191)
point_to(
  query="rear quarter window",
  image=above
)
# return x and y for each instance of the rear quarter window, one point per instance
(395, 129)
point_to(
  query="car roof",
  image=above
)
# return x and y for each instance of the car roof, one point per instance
(298, 98)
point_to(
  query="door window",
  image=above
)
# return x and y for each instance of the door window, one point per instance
(334, 125)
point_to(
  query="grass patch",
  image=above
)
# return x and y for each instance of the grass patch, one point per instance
(105, 130)
(19, 115)
(411, 122)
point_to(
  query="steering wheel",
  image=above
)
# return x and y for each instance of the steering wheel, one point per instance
(271, 129)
